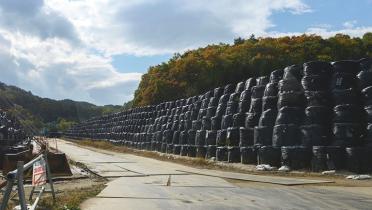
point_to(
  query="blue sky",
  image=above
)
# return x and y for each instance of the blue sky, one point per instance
(97, 51)
(327, 14)
(132, 63)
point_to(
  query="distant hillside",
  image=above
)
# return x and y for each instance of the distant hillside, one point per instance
(199, 70)
(39, 111)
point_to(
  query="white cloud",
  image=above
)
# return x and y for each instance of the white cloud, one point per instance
(350, 24)
(148, 27)
(325, 32)
(322, 25)
(63, 71)
(353, 32)
(64, 48)
(32, 17)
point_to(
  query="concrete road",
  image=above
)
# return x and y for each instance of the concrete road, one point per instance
(141, 183)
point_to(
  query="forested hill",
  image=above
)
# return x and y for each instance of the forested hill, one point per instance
(197, 71)
(40, 111)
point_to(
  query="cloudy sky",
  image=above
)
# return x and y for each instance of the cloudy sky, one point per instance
(97, 50)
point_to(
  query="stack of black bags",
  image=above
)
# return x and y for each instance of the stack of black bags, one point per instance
(317, 115)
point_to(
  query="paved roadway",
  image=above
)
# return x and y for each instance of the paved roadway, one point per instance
(141, 183)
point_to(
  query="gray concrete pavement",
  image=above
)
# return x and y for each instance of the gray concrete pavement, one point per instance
(141, 183)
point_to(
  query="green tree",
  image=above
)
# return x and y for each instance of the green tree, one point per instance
(63, 124)
(197, 71)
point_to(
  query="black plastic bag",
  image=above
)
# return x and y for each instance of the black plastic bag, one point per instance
(317, 98)
(216, 123)
(364, 79)
(347, 113)
(314, 135)
(347, 134)
(365, 64)
(239, 87)
(211, 111)
(221, 109)
(315, 83)
(252, 119)
(256, 105)
(343, 81)
(368, 136)
(367, 96)
(290, 115)
(317, 115)
(368, 113)
(346, 66)
(321, 68)
(269, 102)
(234, 97)
(227, 121)
(250, 83)
(224, 99)
(243, 106)
(233, 136)
(269, 155)
(210, 137)
(191, 151)
(211, 151)
(319, 161)
(201, 114)
(290, 85)
(221, 137)
(262, 81)
(239, 120)
(258, 91)
(245, 95)
(296, 157)
(345, 96)
(291, 99)
(169, 149)
(246, 137)
(286, 135)
(217, 93)
(228, 89)
(200, 138)
(336, 157)
(248, 155)
(196, 124)
(276, 75)
(293, 72)
(268, 118)
(213, 101)
(191, 137)
(231, 108)
(271, 89)
(176, 137)
(206, 123)
(263, 135)
(177, 149)
(233, 154)
(356, 159)
(201, 151)
(221, 154)
(184, 150)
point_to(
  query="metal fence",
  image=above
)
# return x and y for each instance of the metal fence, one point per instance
(16, 176)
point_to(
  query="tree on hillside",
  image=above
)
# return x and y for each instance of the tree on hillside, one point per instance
(199, 70)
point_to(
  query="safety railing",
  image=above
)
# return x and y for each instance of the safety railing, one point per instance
(17, 176)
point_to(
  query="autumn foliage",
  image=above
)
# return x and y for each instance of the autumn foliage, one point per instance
(196, 71)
